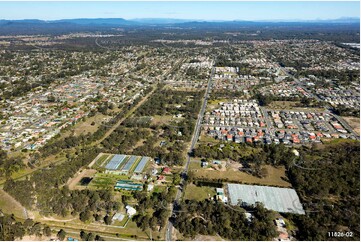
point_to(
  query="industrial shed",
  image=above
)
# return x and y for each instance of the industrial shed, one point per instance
(283, 200)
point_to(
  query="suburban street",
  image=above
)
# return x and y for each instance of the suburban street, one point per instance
(327, 106)
(195, 137)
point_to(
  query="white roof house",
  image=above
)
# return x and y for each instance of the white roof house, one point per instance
(130, 210)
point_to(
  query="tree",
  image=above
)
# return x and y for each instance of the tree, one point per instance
(83, 235)
(91, 237)
(85, 216)
(176, 179)
(263, 172)
(107, 220)
(47, 231)
(98, 238)
(98, 217)
(61, 234)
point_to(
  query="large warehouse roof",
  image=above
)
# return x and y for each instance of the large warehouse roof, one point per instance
(274, 198)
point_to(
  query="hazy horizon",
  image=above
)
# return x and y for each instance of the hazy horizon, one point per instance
(200, 11)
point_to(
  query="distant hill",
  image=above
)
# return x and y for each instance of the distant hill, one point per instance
(161, 20)
(63, 26)
(96, 21)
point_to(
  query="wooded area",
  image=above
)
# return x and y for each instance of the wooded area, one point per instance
(210, 217)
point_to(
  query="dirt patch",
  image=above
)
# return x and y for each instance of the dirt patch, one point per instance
(234, 166)
(86, 174)
(354, 123)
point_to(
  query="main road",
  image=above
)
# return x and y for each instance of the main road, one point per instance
(195, 137)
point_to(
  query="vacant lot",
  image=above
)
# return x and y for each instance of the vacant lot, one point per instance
(204, 138)
(159, 120)
(283, 105)
(291, 105)
(214, 103)
(354, 123)
(275, 177)
(75, 182)
(199, 193)
(90, 125)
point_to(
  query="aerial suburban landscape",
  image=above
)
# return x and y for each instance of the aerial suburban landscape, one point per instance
(179, 125)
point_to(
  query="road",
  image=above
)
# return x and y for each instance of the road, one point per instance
(327, 106)
(195, 137)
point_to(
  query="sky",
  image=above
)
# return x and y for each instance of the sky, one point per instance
(256, 10)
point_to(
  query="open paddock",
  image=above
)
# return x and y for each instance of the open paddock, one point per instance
(292, 105)
(275, 176)
(199, 193)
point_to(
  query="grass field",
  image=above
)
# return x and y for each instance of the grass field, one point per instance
(86, 126)
(335, 141)
(195, 165)
(9, 205)
(275, 177)
(199, 193)
(290, 105)
(158, 120)
(283, 105)
(207, 139)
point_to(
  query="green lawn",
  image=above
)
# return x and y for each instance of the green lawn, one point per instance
(207, 139)
(198, 193)
(194, 165)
